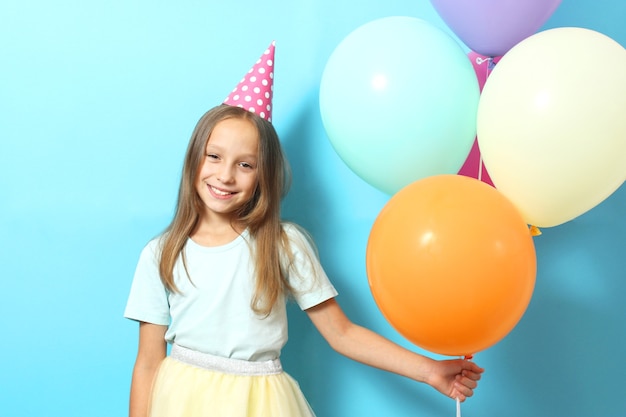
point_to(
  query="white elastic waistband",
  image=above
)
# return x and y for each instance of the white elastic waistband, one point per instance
(225, 365)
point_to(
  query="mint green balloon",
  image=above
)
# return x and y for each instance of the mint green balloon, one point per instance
(398, 100)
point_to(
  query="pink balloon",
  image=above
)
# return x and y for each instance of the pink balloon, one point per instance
(483, 65)
(492, 27)
(473, 165)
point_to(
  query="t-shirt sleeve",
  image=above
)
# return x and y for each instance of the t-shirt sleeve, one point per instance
(310, 284)
(148, 298)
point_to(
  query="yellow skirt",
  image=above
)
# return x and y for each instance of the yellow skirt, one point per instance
(193, 384)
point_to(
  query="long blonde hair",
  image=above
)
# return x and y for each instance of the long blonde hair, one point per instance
(260, 215)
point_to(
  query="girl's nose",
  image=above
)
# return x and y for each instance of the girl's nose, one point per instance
(226, 175)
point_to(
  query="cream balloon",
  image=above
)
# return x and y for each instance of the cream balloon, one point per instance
(551, 123)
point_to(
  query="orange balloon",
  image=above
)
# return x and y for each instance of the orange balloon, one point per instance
(451, 264)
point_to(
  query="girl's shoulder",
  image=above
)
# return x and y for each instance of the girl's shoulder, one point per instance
(298, 237)
(154, 246)
(295, 232)
(291, 227)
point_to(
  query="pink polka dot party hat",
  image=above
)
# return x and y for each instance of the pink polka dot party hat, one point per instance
(255, 90)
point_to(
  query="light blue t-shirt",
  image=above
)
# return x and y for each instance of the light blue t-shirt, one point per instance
(212, 312)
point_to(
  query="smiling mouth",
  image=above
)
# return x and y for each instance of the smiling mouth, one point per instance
(219, 192)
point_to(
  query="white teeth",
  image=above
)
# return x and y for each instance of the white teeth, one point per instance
(219, 192)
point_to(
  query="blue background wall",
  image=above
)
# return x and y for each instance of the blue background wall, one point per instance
(97, 102)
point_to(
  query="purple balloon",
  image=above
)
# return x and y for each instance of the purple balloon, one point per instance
(492, 27)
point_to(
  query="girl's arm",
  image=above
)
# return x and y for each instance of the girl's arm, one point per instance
(151, 351)
(454, 378)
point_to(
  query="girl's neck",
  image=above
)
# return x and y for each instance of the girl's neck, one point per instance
(211, 232)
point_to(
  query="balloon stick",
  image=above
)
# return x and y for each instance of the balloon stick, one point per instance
(458, 402)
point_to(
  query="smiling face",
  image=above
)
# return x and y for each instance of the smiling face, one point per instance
(228, 174)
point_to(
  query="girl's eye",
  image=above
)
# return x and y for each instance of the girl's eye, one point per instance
(246, 165)
(212, 156)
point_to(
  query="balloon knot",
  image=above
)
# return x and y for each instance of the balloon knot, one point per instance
(491, 63)
(534, 231)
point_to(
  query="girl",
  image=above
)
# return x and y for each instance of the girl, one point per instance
(214, 286)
